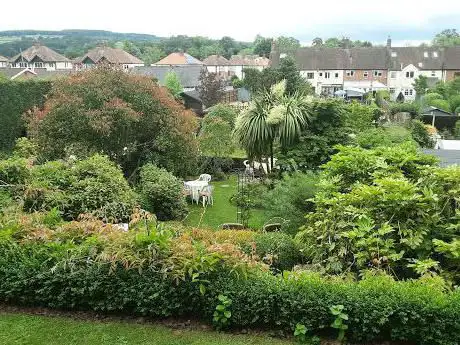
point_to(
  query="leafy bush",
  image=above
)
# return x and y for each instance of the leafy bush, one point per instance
(289, 199)
(215, 137)
(161, 193)
(411, 108)
(440, 104)
(128, 118)
(225, 112)
(420, 134)
(361, 117)
(383, 136)
(431, 96)
(14, 171)
(277, 250)
(92, 266)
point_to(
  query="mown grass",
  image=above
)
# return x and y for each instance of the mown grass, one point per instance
(222, 211)
(51, 330)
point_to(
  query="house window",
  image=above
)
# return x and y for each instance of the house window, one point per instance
(435, 54)
(350, 73)
(392, 90)
(377, 73)
(125, 67)
(410, 74)
(366, 74)
(408, 92)
(425, 54)
(39, 65)
(336, 74)
(13, 65)
(327, 75)
(433, 73)
(393, 75)
(23, 64)
(66, 64)
(320, 74)
(310, 75)
(394, 54)
(420, 64)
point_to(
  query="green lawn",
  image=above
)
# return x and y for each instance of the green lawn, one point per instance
(222, 211)
(50, 330)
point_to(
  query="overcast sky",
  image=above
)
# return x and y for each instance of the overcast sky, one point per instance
(405, 20)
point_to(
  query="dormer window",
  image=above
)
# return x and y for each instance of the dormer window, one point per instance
(420, 64)
(425, 54)
(435, 54)
(410, 75)
(394, 54)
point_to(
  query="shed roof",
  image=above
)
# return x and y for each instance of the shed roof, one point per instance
(189, 75)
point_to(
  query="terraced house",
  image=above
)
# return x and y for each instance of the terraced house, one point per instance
(371, 69)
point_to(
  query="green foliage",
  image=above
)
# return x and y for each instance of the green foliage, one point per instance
(431, 96)
(454, 102)
(361, 117)
(211, 88)
(420, 85)
(420, 134)
(215, 137)
(411, 108)
(161, 193)
(290, 199)
(17, 98)
(173, 84)
(13, 171)
(384, 136)
(447, 38)
(278, 250)
(326, 128)
(262, 46)
(225, 112)
(222, 314)
(340, 320)
(128, 118)
(440, 104)
(25, 148)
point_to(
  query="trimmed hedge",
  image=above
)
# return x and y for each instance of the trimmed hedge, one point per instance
(16, 98)
(378, 307)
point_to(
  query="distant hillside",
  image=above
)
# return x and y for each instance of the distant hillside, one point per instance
(71, 43)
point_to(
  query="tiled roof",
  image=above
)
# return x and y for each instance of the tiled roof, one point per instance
(394, 58)
(3, 59)
(111, 55)
(179, 59)
(40, 73)
(216, 60)
(424, 58)
(41, 52)
(189, 75)
(452, 58)
(249, 60)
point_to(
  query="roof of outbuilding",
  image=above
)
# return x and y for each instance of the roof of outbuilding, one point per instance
(179, 59)
(111, 55)
(216, 60)
(41, 52)
(189, 75)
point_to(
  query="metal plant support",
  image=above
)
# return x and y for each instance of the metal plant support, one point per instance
(242, 204)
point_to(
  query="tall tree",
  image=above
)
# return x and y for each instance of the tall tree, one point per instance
(447, 38)
(228, 46)
(287, 45)
(263, 46)
(211, 88)
(272, 116)
(420, 85)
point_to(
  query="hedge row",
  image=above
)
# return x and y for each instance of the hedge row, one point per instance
(378, 307)
(16, 98)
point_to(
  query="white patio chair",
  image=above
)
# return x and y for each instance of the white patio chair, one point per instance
(206, 195)
(205, 177)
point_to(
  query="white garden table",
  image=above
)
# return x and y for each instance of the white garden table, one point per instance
(195, 187)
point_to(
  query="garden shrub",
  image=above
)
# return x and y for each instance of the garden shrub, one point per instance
(277, 249)
(411, 108)
(161, 193)
(150, 271)
(420, 134)
(383, 136)
(14, 171)
(289, 199)
(217, 167)
(440, 104)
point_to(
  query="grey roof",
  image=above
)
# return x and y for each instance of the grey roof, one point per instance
(109, 54)
(424, 58)
(189, 75)
(394, 58)
(446, 157)
(40, 52)
(452, 58)
(3, 59)
(193, 94)
(41, 73)
(439, 112)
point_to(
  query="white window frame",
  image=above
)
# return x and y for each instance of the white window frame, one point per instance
(38, 64)
(23, 64)
(336, 75)
(435, 54)
(366, 74)
(310, 75)
(350, 73)
(433, 73)
(393, 75)
(378, 73)
(327, 75)
(392, 90)
(425, 54)
(394, 54)
(410, 74)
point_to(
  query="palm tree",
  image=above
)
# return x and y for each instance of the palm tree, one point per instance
(317, 42)
(272, 116)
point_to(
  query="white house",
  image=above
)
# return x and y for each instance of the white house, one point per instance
(39, 56)
(240, 62)
(217, 64)
(324, 81)
(108, 55)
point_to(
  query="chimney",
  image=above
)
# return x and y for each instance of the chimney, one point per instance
(389, 42)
